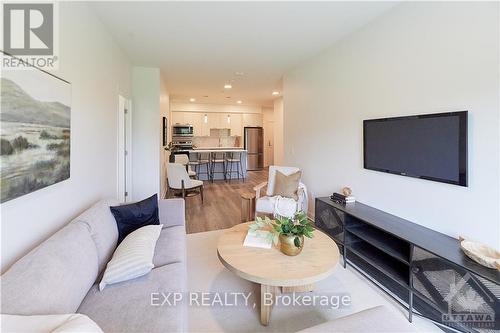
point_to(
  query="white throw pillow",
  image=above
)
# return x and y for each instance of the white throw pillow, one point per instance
(133, 257)
(65, 323)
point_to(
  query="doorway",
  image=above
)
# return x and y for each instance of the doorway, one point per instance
(124, 188)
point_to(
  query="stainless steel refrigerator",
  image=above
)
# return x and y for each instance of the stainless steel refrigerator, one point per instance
(254, 144)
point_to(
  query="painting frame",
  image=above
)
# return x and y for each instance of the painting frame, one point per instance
(165, 131)
(35, 130)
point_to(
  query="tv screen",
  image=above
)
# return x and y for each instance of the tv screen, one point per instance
(431, 146)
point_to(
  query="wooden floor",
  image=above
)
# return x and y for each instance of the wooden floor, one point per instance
(222, 206)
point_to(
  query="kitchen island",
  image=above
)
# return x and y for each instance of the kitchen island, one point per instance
(218, 175)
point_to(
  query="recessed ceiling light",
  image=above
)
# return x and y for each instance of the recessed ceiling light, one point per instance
(239, 73)
(228, 86)
(239, 102)
(276, 93)
(192, 99)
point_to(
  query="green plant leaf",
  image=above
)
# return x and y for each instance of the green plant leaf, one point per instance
(296, 241)
(275, 239)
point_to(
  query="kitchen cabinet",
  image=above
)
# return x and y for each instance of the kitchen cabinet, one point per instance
(236, 125)
(211, 123)
(194, 119)
(252, 119)
(177, 118)
(237, 121)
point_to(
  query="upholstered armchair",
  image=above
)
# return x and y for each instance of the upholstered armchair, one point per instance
(179, 181)
(267, 204)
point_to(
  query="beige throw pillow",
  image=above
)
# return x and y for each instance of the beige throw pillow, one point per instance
(287, 186)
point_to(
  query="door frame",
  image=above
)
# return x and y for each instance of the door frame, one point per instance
(124, 150)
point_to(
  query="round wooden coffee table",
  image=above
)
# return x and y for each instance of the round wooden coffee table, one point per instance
(272, 269)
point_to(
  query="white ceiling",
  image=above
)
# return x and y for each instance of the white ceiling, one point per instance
(200, 45)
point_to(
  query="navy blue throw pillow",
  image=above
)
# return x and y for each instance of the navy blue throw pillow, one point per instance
(136, 215)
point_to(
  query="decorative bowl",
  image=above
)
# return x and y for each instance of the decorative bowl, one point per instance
(480, 253)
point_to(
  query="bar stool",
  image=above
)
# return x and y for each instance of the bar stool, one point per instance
(233, 158)
(217, 158)
(202, 159)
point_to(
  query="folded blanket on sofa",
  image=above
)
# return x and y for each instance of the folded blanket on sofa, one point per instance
(65, 323)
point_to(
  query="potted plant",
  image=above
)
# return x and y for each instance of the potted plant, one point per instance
(289, 231)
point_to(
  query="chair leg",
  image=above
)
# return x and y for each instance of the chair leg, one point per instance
(201, 194)
(183, 190)
(212, 171)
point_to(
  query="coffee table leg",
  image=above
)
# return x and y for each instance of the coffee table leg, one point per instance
(267, 297)
(298, 289)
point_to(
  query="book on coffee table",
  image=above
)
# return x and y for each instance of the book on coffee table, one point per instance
(258, 239)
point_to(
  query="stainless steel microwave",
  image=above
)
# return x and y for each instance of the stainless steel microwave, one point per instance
(182, 130)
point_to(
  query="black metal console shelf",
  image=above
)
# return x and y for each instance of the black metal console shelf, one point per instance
(425, 270)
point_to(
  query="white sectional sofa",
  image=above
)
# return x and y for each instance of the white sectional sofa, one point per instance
(61, 275)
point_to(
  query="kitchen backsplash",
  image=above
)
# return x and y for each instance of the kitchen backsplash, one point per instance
(213, 141)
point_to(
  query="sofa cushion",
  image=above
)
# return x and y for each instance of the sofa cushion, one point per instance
(265, 204)
(102, 226)
(133, 216)
(171, 246)
(54, 277)
(133, 257)
(287, 185)
(127, 306)
(272, 176)
(171, 212)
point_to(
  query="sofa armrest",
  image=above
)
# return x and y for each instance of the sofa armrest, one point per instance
(171, 212)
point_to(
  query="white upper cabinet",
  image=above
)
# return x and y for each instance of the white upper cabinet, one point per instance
(194, 119)
(236, 121)
(236, 124)
(211, 122)
(252, 119)
(177, 118)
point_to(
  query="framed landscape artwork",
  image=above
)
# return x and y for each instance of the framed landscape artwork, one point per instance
(35, 131)
(165, 131)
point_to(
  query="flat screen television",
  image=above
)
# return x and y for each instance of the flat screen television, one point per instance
(430, 146)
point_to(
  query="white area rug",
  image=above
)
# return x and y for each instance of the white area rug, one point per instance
(207, 274)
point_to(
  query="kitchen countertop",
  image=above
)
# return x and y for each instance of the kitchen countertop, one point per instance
(218, 149)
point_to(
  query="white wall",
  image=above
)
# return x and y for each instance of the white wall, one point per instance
(279, 149)
(98, 72)
(146, 132)
(417, 58)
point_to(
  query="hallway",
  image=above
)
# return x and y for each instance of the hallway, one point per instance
(222, 206)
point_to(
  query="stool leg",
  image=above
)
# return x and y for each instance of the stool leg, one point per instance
(212, 171)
